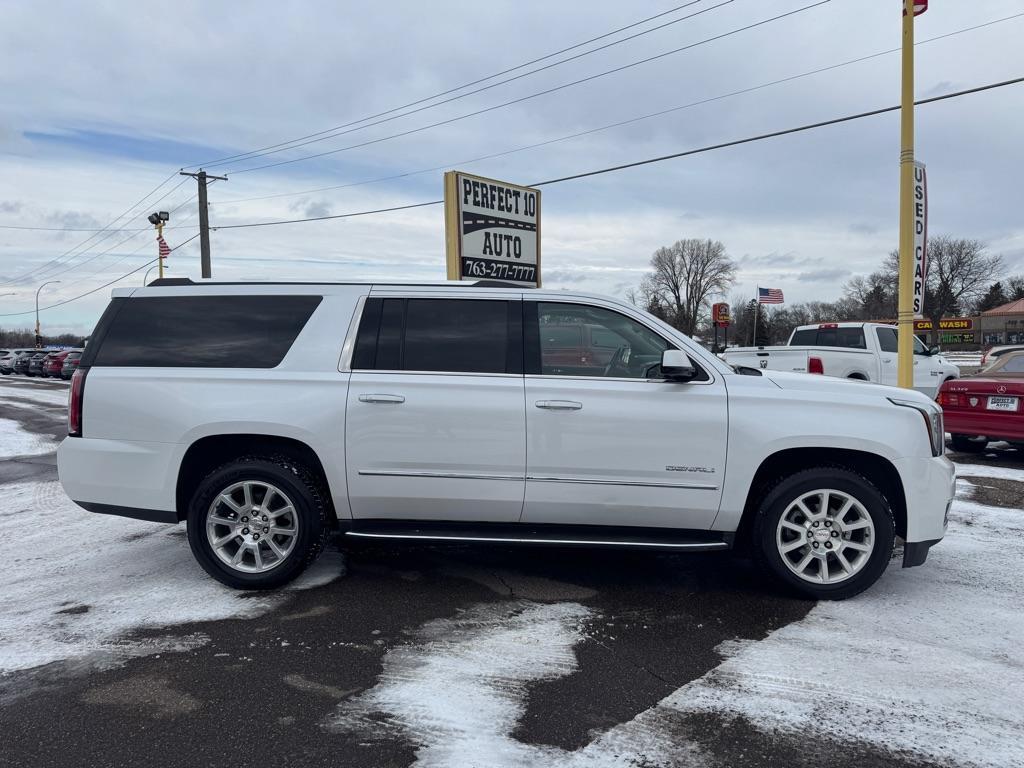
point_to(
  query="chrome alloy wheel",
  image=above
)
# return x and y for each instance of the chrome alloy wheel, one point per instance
(252, 526)
(825, 536)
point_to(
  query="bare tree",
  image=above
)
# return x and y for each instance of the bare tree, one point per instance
(683, 278)
(959, 272)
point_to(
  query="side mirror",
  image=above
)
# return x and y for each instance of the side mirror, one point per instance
(933, 350)
(676, 366)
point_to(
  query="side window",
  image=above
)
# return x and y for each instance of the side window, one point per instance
(887, 339)
(1014, 364)
(254, 331)
(442, 335)
(804, 338)
(611, 344)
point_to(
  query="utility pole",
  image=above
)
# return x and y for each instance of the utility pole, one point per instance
(905, 314)
(204, 218)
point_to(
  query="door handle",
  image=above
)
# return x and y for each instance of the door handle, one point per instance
(559, 405)
(886, 359)
(393, 399)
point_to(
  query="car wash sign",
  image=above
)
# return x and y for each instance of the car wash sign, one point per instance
(492, 230)
(920, 190)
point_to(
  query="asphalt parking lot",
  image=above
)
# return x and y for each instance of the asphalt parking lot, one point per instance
(117, 649)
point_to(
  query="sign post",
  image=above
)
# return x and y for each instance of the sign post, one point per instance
(492, 230)
(720, 318)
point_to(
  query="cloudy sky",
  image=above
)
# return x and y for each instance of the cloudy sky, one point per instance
(101, 102)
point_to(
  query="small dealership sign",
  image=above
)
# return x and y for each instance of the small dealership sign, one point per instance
(720, 314)
(920, 190)
(492, 230)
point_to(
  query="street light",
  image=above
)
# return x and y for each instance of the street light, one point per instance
(39, 339)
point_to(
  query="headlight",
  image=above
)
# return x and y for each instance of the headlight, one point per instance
(933, 422)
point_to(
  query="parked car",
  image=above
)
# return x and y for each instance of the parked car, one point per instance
(22, 361)
(987, 406)
(859, 351)
(268, 415)
(7, 361)
(993, 354)
(70, 365)
(25, 363)
(53, 363)
(35, 365)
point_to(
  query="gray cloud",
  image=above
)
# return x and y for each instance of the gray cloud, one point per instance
(823, 276)
(10, 206)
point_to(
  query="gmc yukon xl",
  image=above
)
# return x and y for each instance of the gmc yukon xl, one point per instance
(267, 416)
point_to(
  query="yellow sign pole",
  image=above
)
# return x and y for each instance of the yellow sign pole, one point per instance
(160, 259)
(905, 368)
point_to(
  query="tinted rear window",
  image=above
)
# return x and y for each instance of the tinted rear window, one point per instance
(204, 331)
(804, 338)
(444, 335)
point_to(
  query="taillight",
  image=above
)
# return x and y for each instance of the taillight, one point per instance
(75, 402)
(949, 399)
(815, 365)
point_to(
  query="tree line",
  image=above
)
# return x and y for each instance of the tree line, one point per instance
(24, 338)
(686, 277)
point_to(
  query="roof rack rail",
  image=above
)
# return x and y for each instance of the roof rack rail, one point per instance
(498, 284)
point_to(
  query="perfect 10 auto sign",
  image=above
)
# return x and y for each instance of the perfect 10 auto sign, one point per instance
(492, 230)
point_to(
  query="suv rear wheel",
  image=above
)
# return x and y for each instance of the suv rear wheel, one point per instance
(826, 533)
(257, 522)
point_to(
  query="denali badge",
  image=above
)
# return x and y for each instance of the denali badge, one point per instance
(707, 470)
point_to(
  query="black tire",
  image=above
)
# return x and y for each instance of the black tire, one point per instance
(303, 488)
(969, 443)
(778, 499)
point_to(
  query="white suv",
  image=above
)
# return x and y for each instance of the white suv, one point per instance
(268, 415)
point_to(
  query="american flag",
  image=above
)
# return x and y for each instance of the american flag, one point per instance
(920, 6)
(770, 296)
(165, 249)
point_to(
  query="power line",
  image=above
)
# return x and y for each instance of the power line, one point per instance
(221, 160)
(70, 252)
(685, 153)
(610, 169)
(620, 123)
(337, 132)
(101, 287)
(78, 265)
(545, 92)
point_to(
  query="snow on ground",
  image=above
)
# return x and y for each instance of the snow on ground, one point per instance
(75, 584)
(29, 389)
(458, 689)
(927, 661)
(16, 441)
(986, 470)
(964, 359)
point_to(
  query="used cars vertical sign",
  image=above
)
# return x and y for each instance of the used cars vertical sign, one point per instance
(920, 237)
(492, 230)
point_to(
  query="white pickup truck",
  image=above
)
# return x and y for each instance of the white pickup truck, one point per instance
(861, 351)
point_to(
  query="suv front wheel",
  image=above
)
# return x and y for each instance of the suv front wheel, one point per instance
(257, 522)
(826, 532)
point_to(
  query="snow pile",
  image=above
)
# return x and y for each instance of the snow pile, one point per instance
(15, 441)
(29, 390)
(74, 584)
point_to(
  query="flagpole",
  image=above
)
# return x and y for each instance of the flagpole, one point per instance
(757, 306)
(160, 256)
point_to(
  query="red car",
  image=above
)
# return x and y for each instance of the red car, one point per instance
(987, 406)
(53, 364)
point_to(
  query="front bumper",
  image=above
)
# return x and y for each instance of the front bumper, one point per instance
(929, 485)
